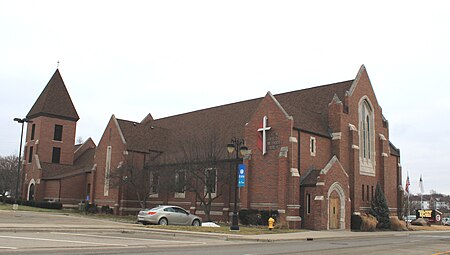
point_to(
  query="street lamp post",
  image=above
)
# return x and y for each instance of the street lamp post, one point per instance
(237, 145)
(21, 121)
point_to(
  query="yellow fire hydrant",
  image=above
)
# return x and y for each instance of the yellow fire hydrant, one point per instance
(271, 222)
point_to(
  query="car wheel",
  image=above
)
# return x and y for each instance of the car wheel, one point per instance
(163, 222)
(196, 223)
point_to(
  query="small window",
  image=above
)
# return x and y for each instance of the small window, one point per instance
(308, 203)
(372, 192)
(312, 146)
(57, 136)
(180, 181)
(30, 155)
(211, 180)
(56, 155)
(368, 195)
(363, 192)
(33, 129)
(154, 180)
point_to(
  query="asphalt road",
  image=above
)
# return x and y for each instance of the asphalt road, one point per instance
(149, 243)
(37, 233)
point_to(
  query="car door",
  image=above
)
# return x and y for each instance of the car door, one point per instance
(170, 214)
(182, 216)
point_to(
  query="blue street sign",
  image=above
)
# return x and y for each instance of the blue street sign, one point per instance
(241, 175)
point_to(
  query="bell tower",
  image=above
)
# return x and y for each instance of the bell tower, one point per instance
(50, 135)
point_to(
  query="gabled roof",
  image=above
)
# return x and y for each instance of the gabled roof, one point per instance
(143, 137)
(309, 179)
(54, 101)
(83, 163)
(308, 107)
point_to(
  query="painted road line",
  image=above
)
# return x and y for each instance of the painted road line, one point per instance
(127, 238)
(8, 248)
(61, 241)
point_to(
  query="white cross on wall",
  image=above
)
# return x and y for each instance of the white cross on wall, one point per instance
(263, 130)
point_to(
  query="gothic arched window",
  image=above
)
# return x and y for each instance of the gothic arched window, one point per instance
(366, 138)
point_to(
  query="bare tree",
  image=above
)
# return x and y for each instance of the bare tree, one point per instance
(8, 174)
(143, 181)
(206, 174)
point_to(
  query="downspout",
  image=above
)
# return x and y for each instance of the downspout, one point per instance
(298, 151)
(59, 192)
(302, 214)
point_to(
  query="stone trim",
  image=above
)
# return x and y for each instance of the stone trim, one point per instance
(352, 127)
(279, 106)
(293, 206)
(336, 136)
(104, 201)
(129, 209)
(156, 195)
(293, 218)
(212, 204)
(294, 172)
(37, 161)
(179, 203)
(179, 195)
(330, 164)
(382, 137)
(113, 117)
(215, 213)
(335, 100)
(355, 81)
(274, 205)
(283, 152)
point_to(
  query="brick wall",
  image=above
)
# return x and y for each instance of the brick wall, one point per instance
(111, 137)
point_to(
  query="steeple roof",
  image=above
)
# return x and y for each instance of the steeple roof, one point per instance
(54, 101)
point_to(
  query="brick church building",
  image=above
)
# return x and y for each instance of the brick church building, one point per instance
(314, 156)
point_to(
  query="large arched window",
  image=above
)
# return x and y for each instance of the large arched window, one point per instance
(366, 137)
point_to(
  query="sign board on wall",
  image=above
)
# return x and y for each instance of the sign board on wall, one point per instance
(425, 213)
(241, 175)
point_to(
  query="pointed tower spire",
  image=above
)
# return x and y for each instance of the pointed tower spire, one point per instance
(54, 101)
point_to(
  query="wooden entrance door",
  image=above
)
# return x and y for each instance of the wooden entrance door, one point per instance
(335, 212)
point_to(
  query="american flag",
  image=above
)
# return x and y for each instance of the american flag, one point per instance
(407, 184)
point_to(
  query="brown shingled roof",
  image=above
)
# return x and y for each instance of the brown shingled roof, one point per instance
(309, 108)
(143, 137)
(54, 101)
(83, 164)
(309, 179)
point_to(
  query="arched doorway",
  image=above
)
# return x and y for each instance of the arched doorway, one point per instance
(334, 210)
(336, 206)
(31, 190)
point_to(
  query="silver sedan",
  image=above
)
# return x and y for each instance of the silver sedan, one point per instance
(168, 214)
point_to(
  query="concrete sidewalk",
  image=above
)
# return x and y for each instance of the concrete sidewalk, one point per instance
(38, 222)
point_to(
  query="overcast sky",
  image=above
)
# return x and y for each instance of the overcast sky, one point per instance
(131, 58)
